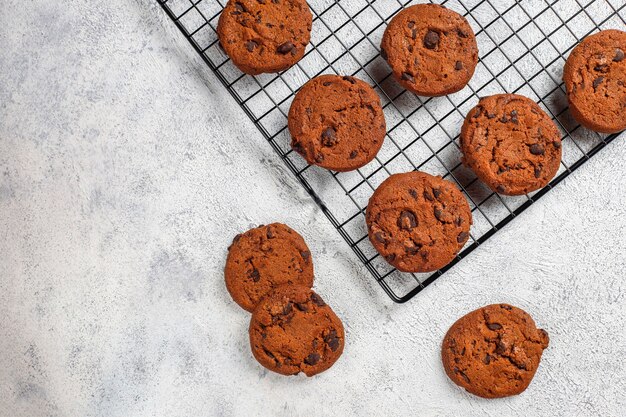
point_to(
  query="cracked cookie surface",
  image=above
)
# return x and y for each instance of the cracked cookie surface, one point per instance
(337, 122)
(431, 50)
(494, 351)
(265, 36)
(595, 80)
(418, 222)
(293, 330)
(511, 144)
(263, 258)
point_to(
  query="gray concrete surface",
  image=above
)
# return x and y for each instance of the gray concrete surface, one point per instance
(125, 171)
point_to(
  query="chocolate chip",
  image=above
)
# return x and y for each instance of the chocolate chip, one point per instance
(327, 83)
(506, 307)
(477, 112)
(383, 53)
(619, 55)
(312, 359)
(491, 116)
(500, 189)
(412, 250)
(556, 144)
(408, 77)
(431, 40)
(391, 257)
(500, 348)
(328, 137)
(410, 25)
(254, 275)
(407, 220)
(332, 340)
(462, 33)
(458, 65)
(413, 34)
(319, 158)
(462, 237)
(297, 146)
(413, 193)
(302, 307)
(250, 45)
(285, 48)
(305, 255)
(438, 213)
(380, 237)
(317, 300)
(349, 79)
(239, 7)
(514, 118)
(269, 233)
(537, 172)
(503, 119)
(436, 192)
(462, 374)
(601, 68)
(487, 359)
(428, 197)
(287, 309)
(494, 326)
(597, 82)
(353, 154)
(261, 1)
(537, 149)
(458, 221)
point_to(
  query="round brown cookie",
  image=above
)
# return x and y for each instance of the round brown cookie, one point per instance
(431, 50)
(293, 330)
(264, 35)
(494, 351)
(418, 222)
(595, 80)
(263, 258)
(337, 122)
(511, 144)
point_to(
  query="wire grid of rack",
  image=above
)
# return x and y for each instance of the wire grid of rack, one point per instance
(523, 46)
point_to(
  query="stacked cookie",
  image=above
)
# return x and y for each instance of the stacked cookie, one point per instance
(269, 272)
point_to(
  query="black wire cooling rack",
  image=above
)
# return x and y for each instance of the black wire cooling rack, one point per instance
(523, 45)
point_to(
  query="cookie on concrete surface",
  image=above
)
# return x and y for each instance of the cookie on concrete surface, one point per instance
(293, 330)
(263, 36)
(511, 144)
(263, 258)
(337, 122)
(418, 222)
(431, 50)
(595, 80)
(494, 351)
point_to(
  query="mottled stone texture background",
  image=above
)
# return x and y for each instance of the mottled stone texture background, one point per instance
(125, 171)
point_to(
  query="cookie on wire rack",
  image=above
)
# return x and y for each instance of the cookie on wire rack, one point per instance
(595, 80)
(264, 36)
(431, 50)
(418, 222)
(511, 144)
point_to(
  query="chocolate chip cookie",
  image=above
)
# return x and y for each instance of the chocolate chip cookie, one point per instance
(494, 351)
(263, 36)
(293, 330)
(511, 144)
(418, 222)
(337, 122)
(263, 258)
(431, 50)
(595, 80)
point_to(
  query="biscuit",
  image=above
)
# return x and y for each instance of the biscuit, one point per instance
(263, 258)
(494, 351)
(418, 222)
(293, 330)
(264, 36)
(337, 122)
(511, 144)
(431, 50)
